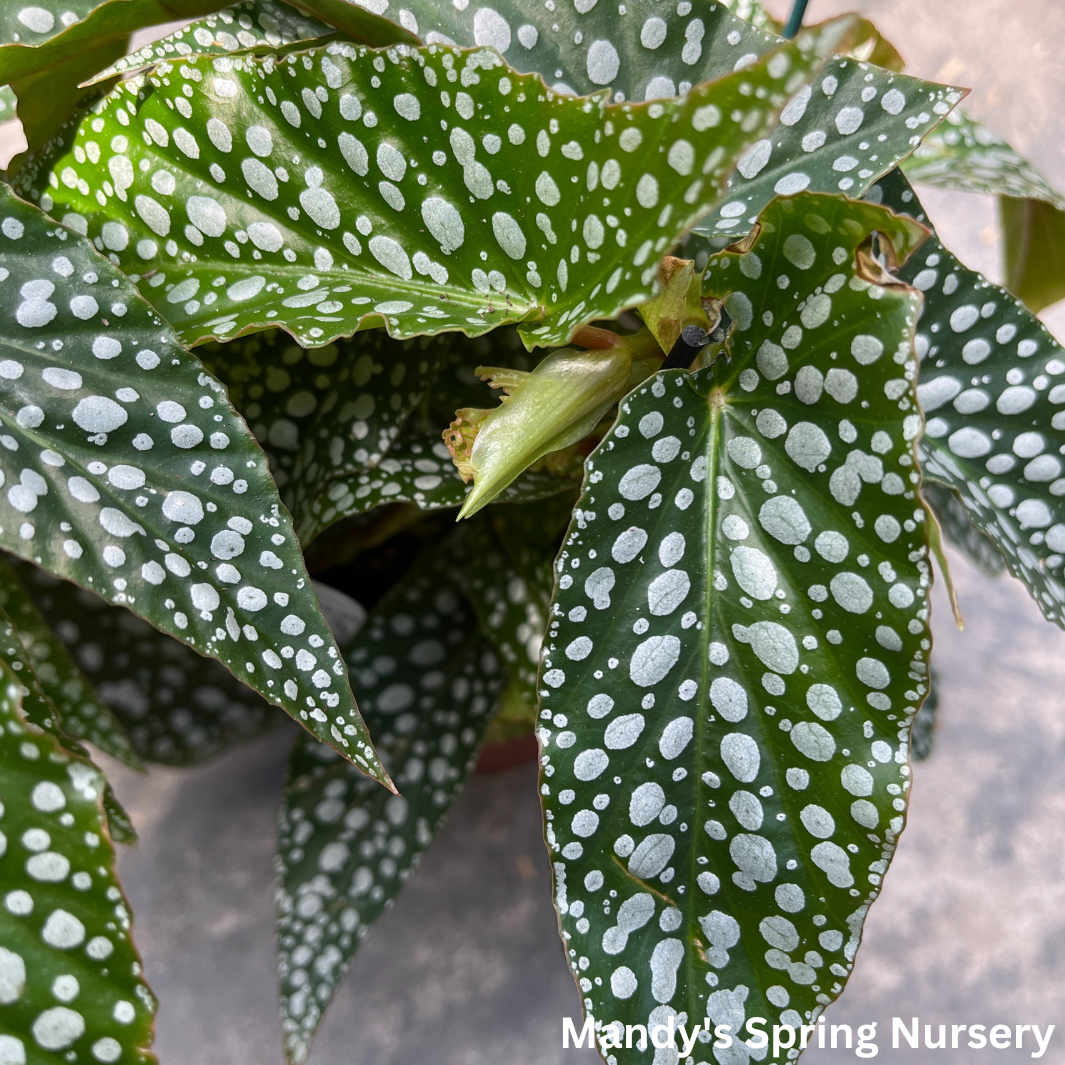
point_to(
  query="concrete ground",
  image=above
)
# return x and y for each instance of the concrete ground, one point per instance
(467, 969)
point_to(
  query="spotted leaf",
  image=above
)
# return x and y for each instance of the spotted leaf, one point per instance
(249, 24)
(738, 644)
(959, 530)
(384, 218)
(83, 715)
(840, 133)
(966, 156)
(429, 681)
(996, 424)
(153, 493)
(177, 708)
(69, 973)
(511, 581)
(327, 413)
(419, 470)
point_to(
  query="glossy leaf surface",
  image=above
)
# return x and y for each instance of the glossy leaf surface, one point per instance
(384, 219)
(126, 471)
(992, 387)
(177, 708)
(428, 680)
(738, 645)
(84, 716)
(852, 125)
(71, 974)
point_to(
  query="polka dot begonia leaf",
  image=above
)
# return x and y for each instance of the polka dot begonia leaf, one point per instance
(964, 156)
(429, 681)
(83, 714)
(738, 645)
(852, 125)
(996, 421)
(249, 24)
(126, 471)
(43, 715)
(70, 976)
(958, 529)
(186, 176)
(511, 584)
(177, 708)
(34, 24)
(418, 469)
(325, 414)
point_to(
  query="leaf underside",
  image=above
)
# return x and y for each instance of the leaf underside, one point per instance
(962, 155)
(996, 412)
(208, 178)
(97, 489)
(429, 681)
(71, 972)
(738, 646)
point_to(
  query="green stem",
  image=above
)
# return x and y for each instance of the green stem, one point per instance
(795, 18)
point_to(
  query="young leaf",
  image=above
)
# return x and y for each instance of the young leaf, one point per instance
(963, 155)
(201, 192)
(158, 498)
(738, 645)
(248, 24)
(854, 124)
(429, 682)
(82, 714)
(72, 974)
(177, 708)
(326, 413)
(995, 418)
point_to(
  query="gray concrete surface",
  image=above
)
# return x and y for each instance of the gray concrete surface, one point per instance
(467, 969)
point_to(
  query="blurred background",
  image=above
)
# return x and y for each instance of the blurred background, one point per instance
(468, 969)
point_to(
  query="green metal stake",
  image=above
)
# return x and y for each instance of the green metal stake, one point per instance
(795, 18)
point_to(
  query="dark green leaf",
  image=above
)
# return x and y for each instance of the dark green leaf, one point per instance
(177, 708)
(738, 645)
(996, 423)
(43, 715)
(326, 415)
(69, 972)
(419, 470)
(963, 155)
(106, 491)
(429, 682)
(511, 581)
(232, 245)
(959, 529)
(82, 714)
(852, 125)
